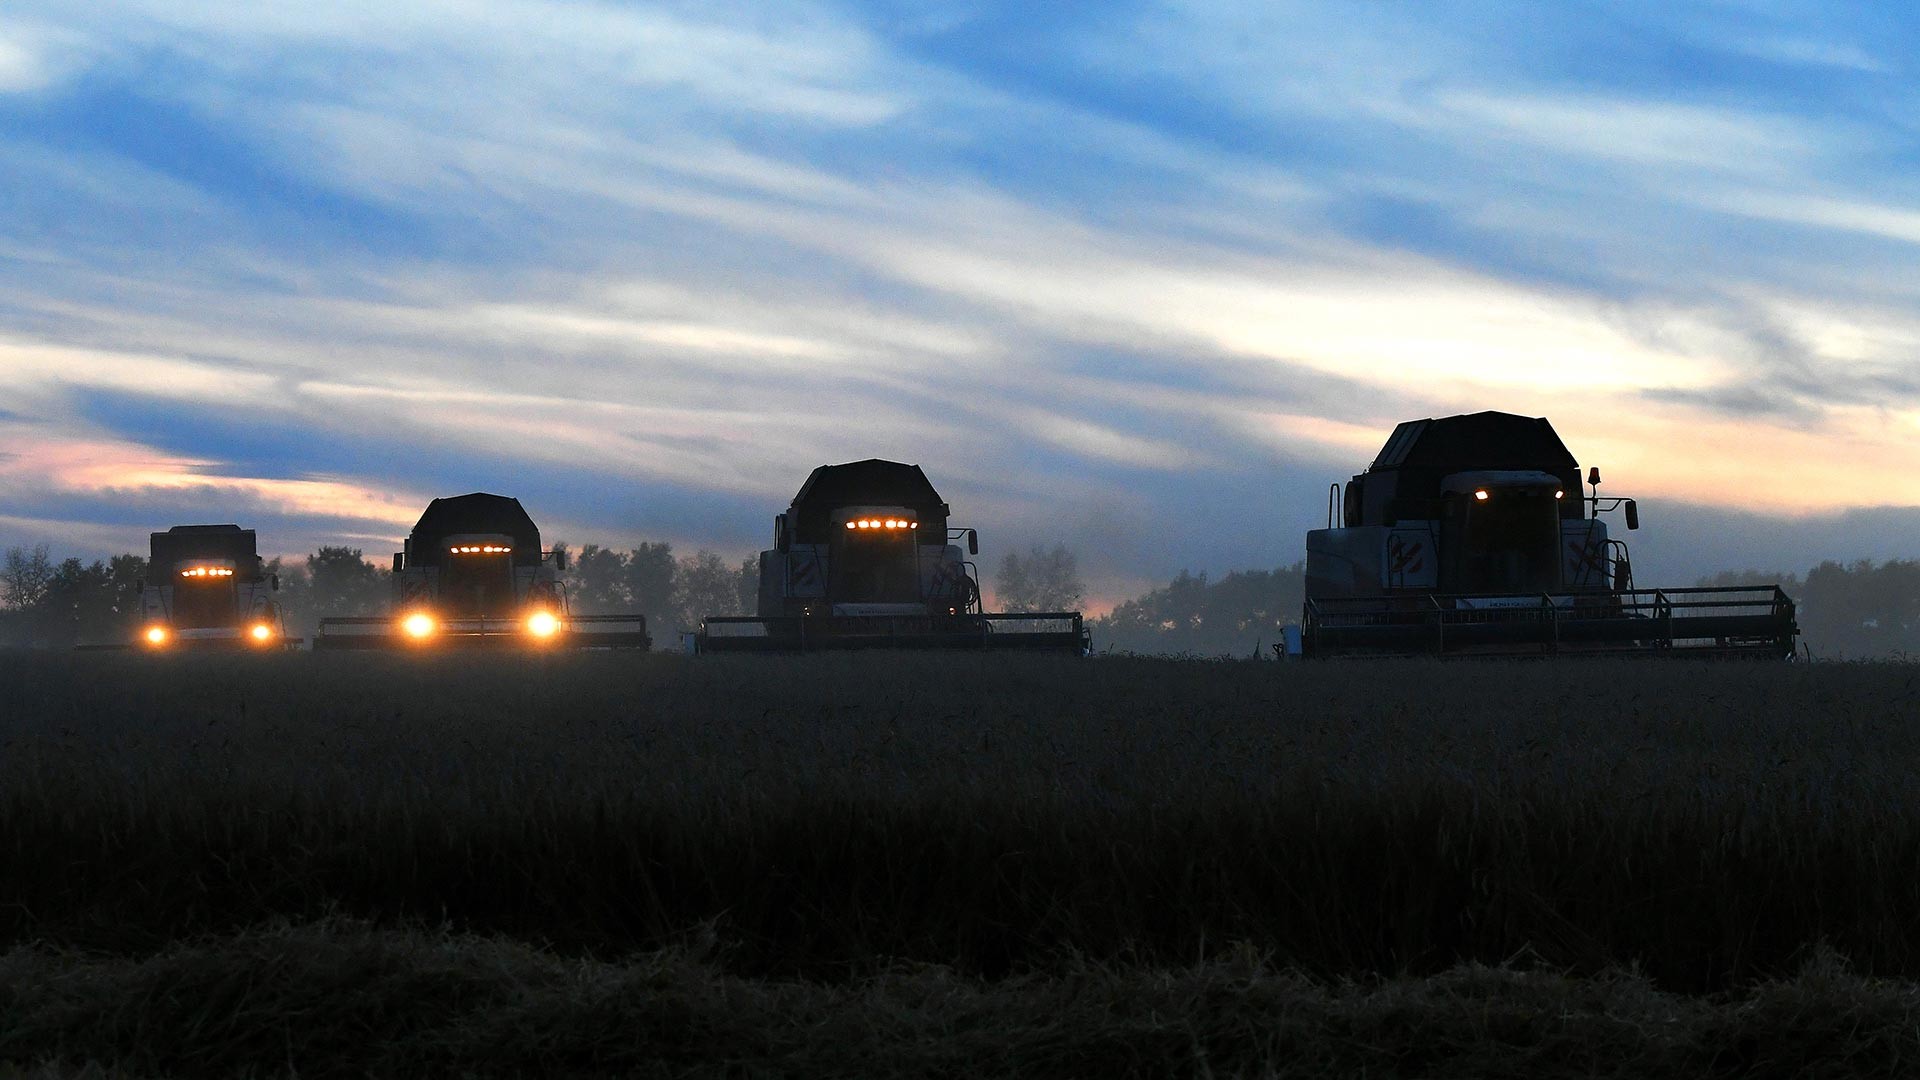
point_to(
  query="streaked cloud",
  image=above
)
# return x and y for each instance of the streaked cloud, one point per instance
(1105, 273)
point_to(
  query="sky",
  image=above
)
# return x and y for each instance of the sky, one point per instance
(1140, 278)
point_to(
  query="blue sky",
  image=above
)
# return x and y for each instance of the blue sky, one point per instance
(1142, 278)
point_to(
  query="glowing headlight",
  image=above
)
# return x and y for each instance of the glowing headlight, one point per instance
(156, 635)
(1481, 495)
(1559, 494)
(542, 624)
(261, 632)
(418, 625)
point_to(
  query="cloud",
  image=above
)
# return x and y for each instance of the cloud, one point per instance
(1105, 277)
(20, 69)
(1813, 52)
(1635, 132)
(35, 54)
(1897, 223)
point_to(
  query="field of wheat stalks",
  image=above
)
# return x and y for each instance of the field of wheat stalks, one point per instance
(829, 823)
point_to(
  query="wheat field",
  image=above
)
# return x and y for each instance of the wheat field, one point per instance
(981, 865)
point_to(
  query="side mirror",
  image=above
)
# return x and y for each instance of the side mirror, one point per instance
(1633, 514)
(973, 541)
(1593, 475)
(273, 581)
(399, 561)
(560, 561)
(781, 541)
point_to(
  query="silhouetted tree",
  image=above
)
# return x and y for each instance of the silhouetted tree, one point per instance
(340, 581)
(706, 585)
(651, 580)
(749, 585)
(1861, 610)
(597, 584)
(92, 602)
(69, 602)
(1042, 580)
(26, 577)
(1241, 614)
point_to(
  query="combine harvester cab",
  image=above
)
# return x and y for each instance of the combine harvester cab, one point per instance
(472, 574)
(865, 558)
(1469, 535)
(206, 589)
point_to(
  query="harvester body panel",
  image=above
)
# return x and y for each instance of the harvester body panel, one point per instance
(472, 575)
(206, 588)
(1469, 535)
(865, 558)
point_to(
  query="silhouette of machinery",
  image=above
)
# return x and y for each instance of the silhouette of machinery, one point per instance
(865, 557)
(1470, 535)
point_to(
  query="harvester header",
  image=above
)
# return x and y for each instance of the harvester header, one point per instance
(865, 557)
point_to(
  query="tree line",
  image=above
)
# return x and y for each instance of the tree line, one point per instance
(1846, 610)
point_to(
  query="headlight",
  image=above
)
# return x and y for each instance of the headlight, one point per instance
(156, 635)
(542, 624)
(418, 625)
(261, 632)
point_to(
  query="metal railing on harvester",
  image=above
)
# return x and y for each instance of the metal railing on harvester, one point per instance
(1056, 631)
(1756, 620)
(576, 631)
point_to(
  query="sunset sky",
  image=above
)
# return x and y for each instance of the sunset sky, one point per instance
(1140, 278)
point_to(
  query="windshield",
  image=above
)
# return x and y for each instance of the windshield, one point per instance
(876, 568)
(1508, 542)
(201, 603)
(473, 585)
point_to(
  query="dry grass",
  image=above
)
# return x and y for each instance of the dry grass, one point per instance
(341, 999)
(974, 857)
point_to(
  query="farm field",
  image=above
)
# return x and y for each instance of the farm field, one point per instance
(956, 865)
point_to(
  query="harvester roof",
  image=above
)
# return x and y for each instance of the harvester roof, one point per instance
(1482, 440)
(1406, 477)
(183, 543)
(872, 482)
(475, 513)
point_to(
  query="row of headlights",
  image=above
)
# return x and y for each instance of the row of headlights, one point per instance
(481, 549)
(882, 523)
(420, 626)
(1483, 495)
(207, 572)
(260, 633)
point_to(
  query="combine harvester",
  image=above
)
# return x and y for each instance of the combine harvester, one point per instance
(865, 558)
(1469, 535)
(206, 589)
(473, 574)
